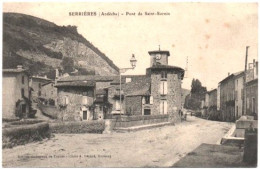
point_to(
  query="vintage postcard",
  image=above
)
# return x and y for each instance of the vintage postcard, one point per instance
(129, 84)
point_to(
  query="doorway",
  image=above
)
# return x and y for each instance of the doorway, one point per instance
(85, 113)
(23, 109)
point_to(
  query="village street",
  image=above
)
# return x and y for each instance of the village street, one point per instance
(157, 147)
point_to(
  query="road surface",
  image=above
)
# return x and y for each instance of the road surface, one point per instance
(157, 147)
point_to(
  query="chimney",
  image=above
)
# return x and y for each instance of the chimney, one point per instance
(19, 67)
(228, 73)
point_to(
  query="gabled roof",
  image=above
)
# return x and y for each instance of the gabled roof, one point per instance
(136, 88)
(41, 78)
(88, 77)
(213, 90)
(230, 76)
(167, 67)
(15, 71)
(48, 83)
(76, 84)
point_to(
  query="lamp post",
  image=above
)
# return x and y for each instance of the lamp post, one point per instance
(123, 70)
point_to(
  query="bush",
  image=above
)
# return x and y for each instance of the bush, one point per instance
(27, 121)
(20, 135)
(198, 114)
(78, 127)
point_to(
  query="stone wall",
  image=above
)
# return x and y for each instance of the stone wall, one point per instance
(173, 96)
(73, 110)
(134, 105)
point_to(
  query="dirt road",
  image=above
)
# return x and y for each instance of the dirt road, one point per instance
(158, 147)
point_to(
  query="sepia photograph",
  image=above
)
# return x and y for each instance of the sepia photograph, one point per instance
(129, 84)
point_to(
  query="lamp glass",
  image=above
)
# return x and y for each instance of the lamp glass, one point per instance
(133, 61)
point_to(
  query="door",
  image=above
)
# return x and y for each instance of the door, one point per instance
(85, 113)
(23, 109)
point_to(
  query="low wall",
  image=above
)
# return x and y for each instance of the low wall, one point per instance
(129, 121)
(20, 134)
(78, 127)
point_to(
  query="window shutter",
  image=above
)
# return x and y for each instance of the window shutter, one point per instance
(143, 100)
(151, 99)
(165, 108)
(161, 107)
(165, 87)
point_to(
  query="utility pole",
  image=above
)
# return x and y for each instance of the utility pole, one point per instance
(244, 96)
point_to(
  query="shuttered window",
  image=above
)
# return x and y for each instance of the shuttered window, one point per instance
(117, 105)
(163, 88)
(151, 99)
(163, 107)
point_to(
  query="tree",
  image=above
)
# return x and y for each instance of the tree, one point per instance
(193, 100)
(67, 64)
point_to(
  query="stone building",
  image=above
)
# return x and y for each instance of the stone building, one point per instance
(252, 97)
(252, 89)
(16, 93)
(239, 87)
(36, 83)
(228, 96)
(212, 98)
(157, 92)
(75, 99)
(49, 93)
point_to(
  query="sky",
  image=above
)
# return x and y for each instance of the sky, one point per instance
(213, 36)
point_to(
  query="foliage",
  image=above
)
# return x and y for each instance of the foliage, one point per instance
(67, 65)
(23, 134)
(193, 100)
(78, 127)
(214, 114)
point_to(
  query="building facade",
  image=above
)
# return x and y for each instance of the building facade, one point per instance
(16, 93)
(49, 93)
(75, 100)
(239, 87)
(36, 83)
(252, 98)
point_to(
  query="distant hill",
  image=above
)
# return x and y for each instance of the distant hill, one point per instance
(184, 93)
(41, 46)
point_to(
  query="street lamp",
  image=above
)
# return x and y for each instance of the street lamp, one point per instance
(123, 70)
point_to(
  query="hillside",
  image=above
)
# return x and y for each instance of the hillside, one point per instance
(41, 46)
(185, 92)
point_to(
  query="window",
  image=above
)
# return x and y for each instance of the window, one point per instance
(128, 79)
(147, 111)
(163, 88)
(22, 79)
(22, 92)
(163, 107)
(66, 100)
(164, 75)
(236, 95)
(147, 99)
(253, 105)
(117, 104)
